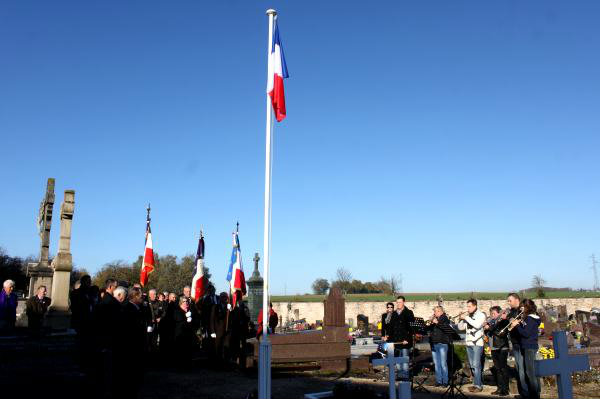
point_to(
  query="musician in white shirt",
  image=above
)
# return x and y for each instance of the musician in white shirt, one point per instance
(473, 323)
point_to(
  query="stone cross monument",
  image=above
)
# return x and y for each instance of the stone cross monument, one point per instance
(59, 316)
(255, 291)
(40, 273)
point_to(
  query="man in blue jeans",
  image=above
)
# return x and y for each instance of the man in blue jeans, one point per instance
(514, 301)
(439, 341)
(472, 323)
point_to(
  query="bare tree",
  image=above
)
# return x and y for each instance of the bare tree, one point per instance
(539, 283)
(343, 275)
(396, 283)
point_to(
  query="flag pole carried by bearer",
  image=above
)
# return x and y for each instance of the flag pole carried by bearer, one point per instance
(199, 280)
(276, 73)
(148, 261)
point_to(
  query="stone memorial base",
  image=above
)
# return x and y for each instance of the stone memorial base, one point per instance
(39, 275)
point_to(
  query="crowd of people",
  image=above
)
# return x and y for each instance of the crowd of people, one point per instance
(119, 321)
(512, 331)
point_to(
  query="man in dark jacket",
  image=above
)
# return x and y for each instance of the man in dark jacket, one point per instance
(106, 318)
(36, 308)
(514, 301)
(402, 333)
(219, 328)
(206, 306)
(239, 320)
(499, 346)
(439, 345)
(82, 306)
(157, 311)
(130, 343)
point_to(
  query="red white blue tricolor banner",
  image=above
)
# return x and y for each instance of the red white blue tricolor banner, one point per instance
(235, 275)
(148, 262)
(198, 280)
(276, 73)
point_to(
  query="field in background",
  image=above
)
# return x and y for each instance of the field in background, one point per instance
(430, 296)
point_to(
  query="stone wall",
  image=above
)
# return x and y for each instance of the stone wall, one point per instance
(313, 311)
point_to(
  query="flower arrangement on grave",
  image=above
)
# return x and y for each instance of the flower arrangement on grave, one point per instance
(546, 353)
(488, 352)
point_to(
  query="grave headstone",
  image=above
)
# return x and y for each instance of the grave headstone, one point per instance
(362, 322)
(334, 309)
(562, 313)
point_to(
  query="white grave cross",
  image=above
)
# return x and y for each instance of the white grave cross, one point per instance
(390, 361)
(562, 365)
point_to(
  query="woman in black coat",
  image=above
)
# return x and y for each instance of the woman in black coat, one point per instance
(386, 321)
(184, 337)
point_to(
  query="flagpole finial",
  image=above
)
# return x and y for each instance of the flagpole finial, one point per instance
(148, 210)
(272, 12)
(237, 227)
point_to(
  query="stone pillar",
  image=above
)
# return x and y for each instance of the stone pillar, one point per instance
(255, 291)
(40, 273)
(59, 316)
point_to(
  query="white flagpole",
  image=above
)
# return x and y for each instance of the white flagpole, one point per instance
(264, 361)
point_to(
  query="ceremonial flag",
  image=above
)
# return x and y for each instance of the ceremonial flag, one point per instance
(277, 71)
(199, 281)
(235, 276)
(148, 262)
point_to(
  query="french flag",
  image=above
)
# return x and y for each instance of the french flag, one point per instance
(276, 73)
(148, 262)
(235, 275)
(199, 281)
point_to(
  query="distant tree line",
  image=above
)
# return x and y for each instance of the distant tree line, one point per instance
(344, 281)
(15, 268)
(170, 273)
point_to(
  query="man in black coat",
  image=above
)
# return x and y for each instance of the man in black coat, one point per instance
(206, 305)
(239, 320)
(402, 333)
(499, 347)
(219, 328)
(36, 308)
(130, 343)
(82, 307)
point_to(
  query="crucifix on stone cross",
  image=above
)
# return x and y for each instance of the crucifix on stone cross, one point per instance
(390, 361)
(562, 365)
(256, 259)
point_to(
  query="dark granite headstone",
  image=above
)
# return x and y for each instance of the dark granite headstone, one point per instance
(362, 322)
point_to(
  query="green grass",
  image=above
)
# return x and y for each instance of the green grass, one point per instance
(430, 296)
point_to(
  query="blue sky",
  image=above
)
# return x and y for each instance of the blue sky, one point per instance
(455, 143)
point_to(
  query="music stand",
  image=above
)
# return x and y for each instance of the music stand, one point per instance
(418, 326)
(454, 389)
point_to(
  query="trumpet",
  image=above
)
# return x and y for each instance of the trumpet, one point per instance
(430, 321)
(509, 327)
(456, 318)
